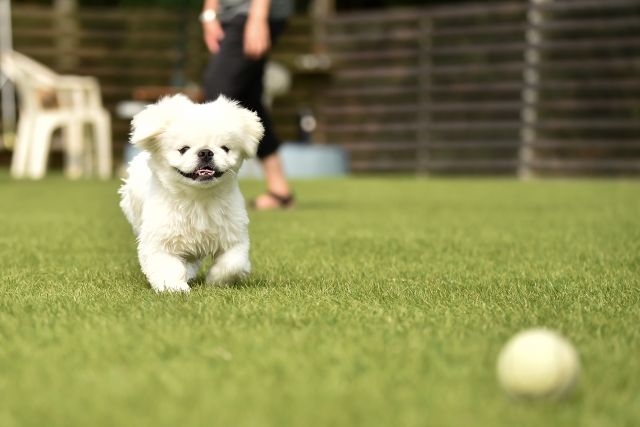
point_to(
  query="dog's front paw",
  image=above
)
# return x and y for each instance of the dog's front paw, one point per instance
(173, 287)
(222, 276)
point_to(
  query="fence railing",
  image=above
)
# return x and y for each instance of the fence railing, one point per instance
(526, 87)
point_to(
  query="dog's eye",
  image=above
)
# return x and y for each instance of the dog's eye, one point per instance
(225, 148)
(183, 150)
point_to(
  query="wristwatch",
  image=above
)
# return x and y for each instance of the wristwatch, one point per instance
(208, 15)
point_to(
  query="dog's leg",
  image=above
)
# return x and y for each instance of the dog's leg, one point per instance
(164, 271)
(230, 266)
(192, 269)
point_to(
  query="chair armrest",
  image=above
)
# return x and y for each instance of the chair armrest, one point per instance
(85, 91)
(84, 82)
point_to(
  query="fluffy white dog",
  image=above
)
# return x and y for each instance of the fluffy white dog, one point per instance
(182, 196)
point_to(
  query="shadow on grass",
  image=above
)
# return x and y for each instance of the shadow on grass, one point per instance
(200, 283)
(308, 206)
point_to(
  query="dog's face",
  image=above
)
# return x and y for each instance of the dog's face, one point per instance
(197, 145)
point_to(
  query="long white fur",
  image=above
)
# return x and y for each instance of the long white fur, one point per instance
(179, 221)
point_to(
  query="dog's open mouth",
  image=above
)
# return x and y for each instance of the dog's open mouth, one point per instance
(204, 173)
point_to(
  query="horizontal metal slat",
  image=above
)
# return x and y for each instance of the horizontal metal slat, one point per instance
(588, 124)
(575, 104)
(587, 4)
(409, 71)
(351, 56)
(544, 46)
(106, 72)
(484, 87)
(587, 144)
(471, 164)
(550, 164)
(170, 53)
(380, 146)
(414, 145)
(131, 14)
(364, 146)
(616, 164)
(373, 127)
(347, 57)
(96, 34)
(508, 144)
(382, 166)
(480, 125)
(434, 165)
(396, 35)
(555, 24)
(414, 126)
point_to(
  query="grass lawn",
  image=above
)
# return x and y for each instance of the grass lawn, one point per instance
(378, 302)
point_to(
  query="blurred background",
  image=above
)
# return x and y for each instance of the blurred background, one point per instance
(519, 88)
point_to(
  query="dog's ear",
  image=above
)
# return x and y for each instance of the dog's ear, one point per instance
(250, 128)
(253, 133)
(148, 124)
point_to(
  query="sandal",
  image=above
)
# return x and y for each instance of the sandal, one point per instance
(282, 202)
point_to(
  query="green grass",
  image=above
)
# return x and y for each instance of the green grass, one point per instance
(378, 302)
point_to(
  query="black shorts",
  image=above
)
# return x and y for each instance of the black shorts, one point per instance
(231, 74)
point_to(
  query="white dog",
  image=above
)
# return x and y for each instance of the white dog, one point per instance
(182, 196)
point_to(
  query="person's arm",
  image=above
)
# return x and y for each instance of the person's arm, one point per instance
(211, 28)
(257, 39)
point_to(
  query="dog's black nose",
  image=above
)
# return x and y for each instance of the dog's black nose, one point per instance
(205, 154)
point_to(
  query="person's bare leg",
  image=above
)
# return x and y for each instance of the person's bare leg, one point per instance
(276, 183)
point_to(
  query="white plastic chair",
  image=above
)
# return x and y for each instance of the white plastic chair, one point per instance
(74, 102)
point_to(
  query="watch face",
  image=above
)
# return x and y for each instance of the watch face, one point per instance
(207, 16)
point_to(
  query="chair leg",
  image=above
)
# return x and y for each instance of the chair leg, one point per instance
(74, 148)
(102, 139)
(39, 154)
(89, 149)
(22, 148)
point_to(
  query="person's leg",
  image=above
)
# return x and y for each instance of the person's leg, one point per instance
(231, 74)
(279, 192)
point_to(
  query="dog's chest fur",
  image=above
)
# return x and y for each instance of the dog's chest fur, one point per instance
(194, 228)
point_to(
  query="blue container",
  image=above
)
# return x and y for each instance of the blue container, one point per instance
(304, 161)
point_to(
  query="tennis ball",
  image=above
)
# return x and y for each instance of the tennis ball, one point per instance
(538, 363)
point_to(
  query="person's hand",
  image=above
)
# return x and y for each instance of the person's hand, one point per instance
(213, 34)
(257, 39)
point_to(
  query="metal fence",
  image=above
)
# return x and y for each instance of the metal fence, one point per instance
(527, 87)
